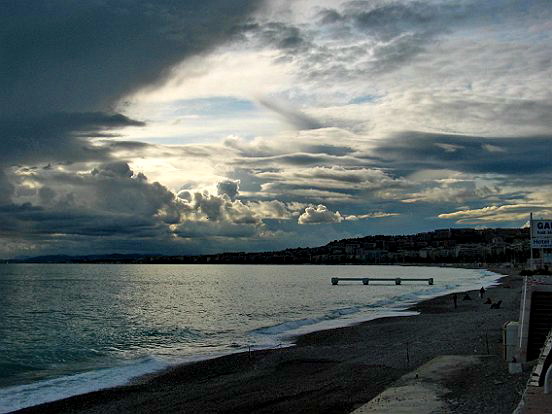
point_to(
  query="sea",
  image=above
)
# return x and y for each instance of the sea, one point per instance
(68, 329)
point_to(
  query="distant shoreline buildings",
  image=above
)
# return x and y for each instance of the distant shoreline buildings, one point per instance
(446, 246)
(463, 245)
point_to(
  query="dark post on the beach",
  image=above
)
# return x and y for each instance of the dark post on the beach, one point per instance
(455, 300)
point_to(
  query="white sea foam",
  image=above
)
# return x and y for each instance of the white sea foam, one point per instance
(21, 396)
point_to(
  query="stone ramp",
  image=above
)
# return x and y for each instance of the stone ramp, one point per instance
(420, 391)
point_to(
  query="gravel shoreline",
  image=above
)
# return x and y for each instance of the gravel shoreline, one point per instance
(338, 370)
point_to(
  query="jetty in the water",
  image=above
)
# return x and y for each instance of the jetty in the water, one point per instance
(367, 280)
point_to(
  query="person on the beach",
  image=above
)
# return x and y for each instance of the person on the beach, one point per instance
(481, 292)
(455, 300)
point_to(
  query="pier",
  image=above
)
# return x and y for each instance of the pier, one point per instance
(367, 280)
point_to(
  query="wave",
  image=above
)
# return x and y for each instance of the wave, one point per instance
(21, 396)
(292, 325)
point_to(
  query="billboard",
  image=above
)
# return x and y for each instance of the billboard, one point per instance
(541, 234)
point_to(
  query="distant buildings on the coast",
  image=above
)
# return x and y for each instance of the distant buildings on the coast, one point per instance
(454, 246)
(460, 245)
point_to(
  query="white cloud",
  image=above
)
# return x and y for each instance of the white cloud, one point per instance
(494, 214)
(379, 214)
(319, 214)
(275, 209)
(492, 148)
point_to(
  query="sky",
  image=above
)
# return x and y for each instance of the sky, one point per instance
(194, 127)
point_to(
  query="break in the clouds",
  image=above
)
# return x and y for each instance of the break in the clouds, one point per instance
(190, 127)
(67, 66)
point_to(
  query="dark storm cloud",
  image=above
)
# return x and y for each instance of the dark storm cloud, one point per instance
(46, 195)
(6, 189)
(279, 35)
(229, 187)
(510, 156)
(87, 55)
(65, 65)
(109, 201)
(56, 137)
(31, 222)
(64, 68)
(114, 203)
(129, 145)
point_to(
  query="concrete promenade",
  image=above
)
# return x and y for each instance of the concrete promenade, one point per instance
(420, 391)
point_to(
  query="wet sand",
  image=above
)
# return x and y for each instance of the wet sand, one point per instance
(335, 371)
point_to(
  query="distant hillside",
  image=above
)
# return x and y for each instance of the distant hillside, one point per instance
(98, 258)
(463, 245)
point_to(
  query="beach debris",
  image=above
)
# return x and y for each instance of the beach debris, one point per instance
(488, 301)
(467, 297)
(496, 305)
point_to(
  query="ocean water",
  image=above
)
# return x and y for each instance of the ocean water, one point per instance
(67, 329)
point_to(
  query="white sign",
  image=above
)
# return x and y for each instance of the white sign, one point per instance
(541, 234)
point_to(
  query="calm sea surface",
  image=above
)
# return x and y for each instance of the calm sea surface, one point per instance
(67, 329)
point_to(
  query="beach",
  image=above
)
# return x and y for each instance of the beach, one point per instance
(337, 370)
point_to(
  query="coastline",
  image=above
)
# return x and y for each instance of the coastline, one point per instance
(334, 370)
